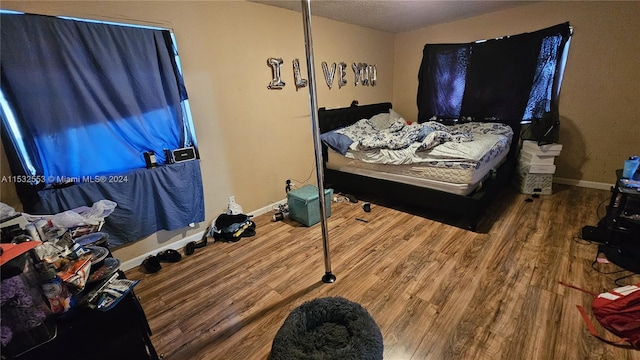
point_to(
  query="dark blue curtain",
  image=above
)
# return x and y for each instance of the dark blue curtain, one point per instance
(167, 197)
(90, 98)
(513, 78)
(445, 65)
(87, 99)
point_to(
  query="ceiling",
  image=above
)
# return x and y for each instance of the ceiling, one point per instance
(396, 16)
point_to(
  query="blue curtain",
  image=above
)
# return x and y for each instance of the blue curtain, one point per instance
(167, 197)
(87, 99)
(90, 98)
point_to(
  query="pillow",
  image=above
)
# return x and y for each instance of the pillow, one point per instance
(336, 141)
(381, 121)
(393, 115)
(384, 121)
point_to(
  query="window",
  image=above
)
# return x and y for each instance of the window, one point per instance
(550, 65)
(91, 96)
(516, 78)
(83, 100)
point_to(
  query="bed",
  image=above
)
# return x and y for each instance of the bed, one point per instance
(451, 172)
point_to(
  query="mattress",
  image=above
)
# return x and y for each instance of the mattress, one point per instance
(456, 175)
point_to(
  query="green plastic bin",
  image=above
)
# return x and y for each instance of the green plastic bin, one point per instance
(304, 204)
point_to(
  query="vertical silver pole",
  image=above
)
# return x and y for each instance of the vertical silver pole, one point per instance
(328, 277)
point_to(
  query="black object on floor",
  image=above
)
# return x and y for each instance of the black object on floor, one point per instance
(627, 257)
(191, 246)
(351, 198)
(169, 255)
(328, 328)
(152, 264)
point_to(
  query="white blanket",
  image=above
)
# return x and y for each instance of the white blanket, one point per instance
(485, 138)
(464, 151)
(376, 133)
(388, 139)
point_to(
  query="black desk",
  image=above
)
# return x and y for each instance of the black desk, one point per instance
(619, 230)
(84, 333)
(623, 212)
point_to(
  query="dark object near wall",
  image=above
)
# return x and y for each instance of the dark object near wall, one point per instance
(232, 228)
(328, 328)
(184, 154)
(619, 230)
(545, 130)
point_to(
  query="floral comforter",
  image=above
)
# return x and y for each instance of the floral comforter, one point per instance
(387, 140)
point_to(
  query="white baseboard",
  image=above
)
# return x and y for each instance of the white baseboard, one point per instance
(582, 183)
(137, 261)
(131, 263)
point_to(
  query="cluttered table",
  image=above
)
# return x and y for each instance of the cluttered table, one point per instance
(63, 296)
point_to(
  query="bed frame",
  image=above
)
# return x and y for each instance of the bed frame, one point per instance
(462, 211)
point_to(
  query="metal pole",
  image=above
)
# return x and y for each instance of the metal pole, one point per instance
(328, 277)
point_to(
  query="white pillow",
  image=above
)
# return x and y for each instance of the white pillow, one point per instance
(393, 116)
(380, 121)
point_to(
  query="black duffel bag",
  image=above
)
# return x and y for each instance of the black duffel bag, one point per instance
(228, 227)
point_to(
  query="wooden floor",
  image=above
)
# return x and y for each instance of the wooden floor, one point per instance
(436, 291)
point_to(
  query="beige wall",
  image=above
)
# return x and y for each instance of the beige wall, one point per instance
(251, 139)
(599, 105)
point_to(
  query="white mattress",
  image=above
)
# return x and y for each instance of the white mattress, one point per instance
(440, 175)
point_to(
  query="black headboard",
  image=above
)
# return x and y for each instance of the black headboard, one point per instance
(331, 119)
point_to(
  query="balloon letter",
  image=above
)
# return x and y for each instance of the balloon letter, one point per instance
(277, 82)
(300, 82)
(341, 75)
(356, 73)
(373, 75)
(363, 68)
(329, 73)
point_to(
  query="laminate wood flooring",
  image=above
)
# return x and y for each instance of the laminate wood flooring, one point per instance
(436, 291)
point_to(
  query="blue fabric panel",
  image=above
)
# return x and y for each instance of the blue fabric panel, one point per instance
(167, 197)
(336, 141)
(442, 78)
(95, 95)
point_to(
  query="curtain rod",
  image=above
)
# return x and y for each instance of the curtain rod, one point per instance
(508, 36)
(101, 19)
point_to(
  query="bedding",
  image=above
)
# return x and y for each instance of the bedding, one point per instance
(461, 154)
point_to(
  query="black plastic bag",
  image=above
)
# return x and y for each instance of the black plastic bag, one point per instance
(232, 228)
(545, 130)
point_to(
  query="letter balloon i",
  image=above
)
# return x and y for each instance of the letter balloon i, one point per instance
(276, 65)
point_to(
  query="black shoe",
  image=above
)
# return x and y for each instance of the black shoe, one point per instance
(169, 256)
(151, 264)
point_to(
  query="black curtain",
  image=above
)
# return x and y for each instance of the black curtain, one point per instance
(493, 78)
(442, 78)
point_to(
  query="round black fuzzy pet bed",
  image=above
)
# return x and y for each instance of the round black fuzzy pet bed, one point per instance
(328, 328)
